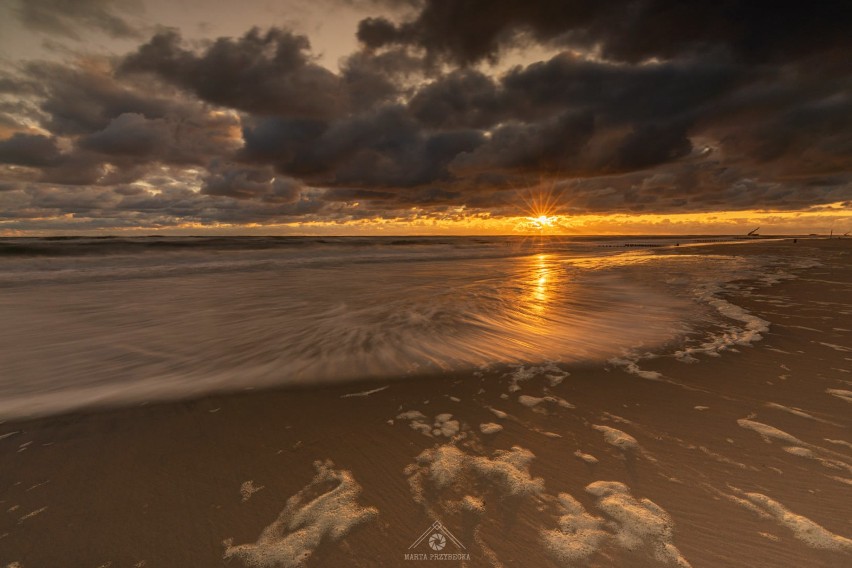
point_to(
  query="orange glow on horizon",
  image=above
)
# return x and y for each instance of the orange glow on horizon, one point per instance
(819, 220)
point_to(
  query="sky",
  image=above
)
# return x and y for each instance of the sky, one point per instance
(425, 117)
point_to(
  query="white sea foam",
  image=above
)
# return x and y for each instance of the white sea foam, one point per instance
(446, 426)
(532, 401)
(638, 523)
(639, 526)
(802, 527)
(839, 442)
(550, 371)
(324, 511)
(795, 411)
(752, 331)
(497, 413)
(248, 488)
(841, 394)
(768, 432)
(518, 375)
(411, 415)
(797, 447)
(621, 440)
(579, 535)
(449, 468)
(490, 428)
(799, 451)
(632, 367)
(32, 514)
(447, 480)
(442, 425)
(588, 458)
(365, 393)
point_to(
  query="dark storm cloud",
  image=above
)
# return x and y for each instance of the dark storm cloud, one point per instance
(86, 97)
(251, 183)
(385, 147)
(266, 72)
(29, 150)
(189, 140)
(116, 129)
(622, 93)
(544, 146)
(625, 30)
(370, 78)
(65, 17)
(129, 134)
(461, 99)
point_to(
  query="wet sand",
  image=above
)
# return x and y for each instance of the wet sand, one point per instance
(739, 460)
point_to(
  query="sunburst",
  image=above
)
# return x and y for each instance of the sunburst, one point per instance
(540, 206)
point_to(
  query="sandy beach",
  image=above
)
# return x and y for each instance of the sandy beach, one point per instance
(735, 455)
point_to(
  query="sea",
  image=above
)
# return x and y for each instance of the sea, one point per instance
(109, 321)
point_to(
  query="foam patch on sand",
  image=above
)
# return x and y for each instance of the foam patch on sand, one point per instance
(636, 525)
(588, 458)
(795, 411)
(799, 451)
(445, 426)
(497, 413)
(621, 440)
(364, 393)
(839, 442)
(837, 347)
(532, 401)
(632, 367)
(802, 527)
(797, 447)
(248, 488)
(32, 514)
(442, 425)
(490, 428)
(326, 510)
(579, 536)
(841, 394)
(550, 371)
(447, 481)
(752, 330)
(768, 432)
(448, 467)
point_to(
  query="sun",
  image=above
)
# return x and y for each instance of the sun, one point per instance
(542, 221)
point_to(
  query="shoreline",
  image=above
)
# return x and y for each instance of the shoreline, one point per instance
(161, 483)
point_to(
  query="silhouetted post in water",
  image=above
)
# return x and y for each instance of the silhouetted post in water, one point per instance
(795, 241)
